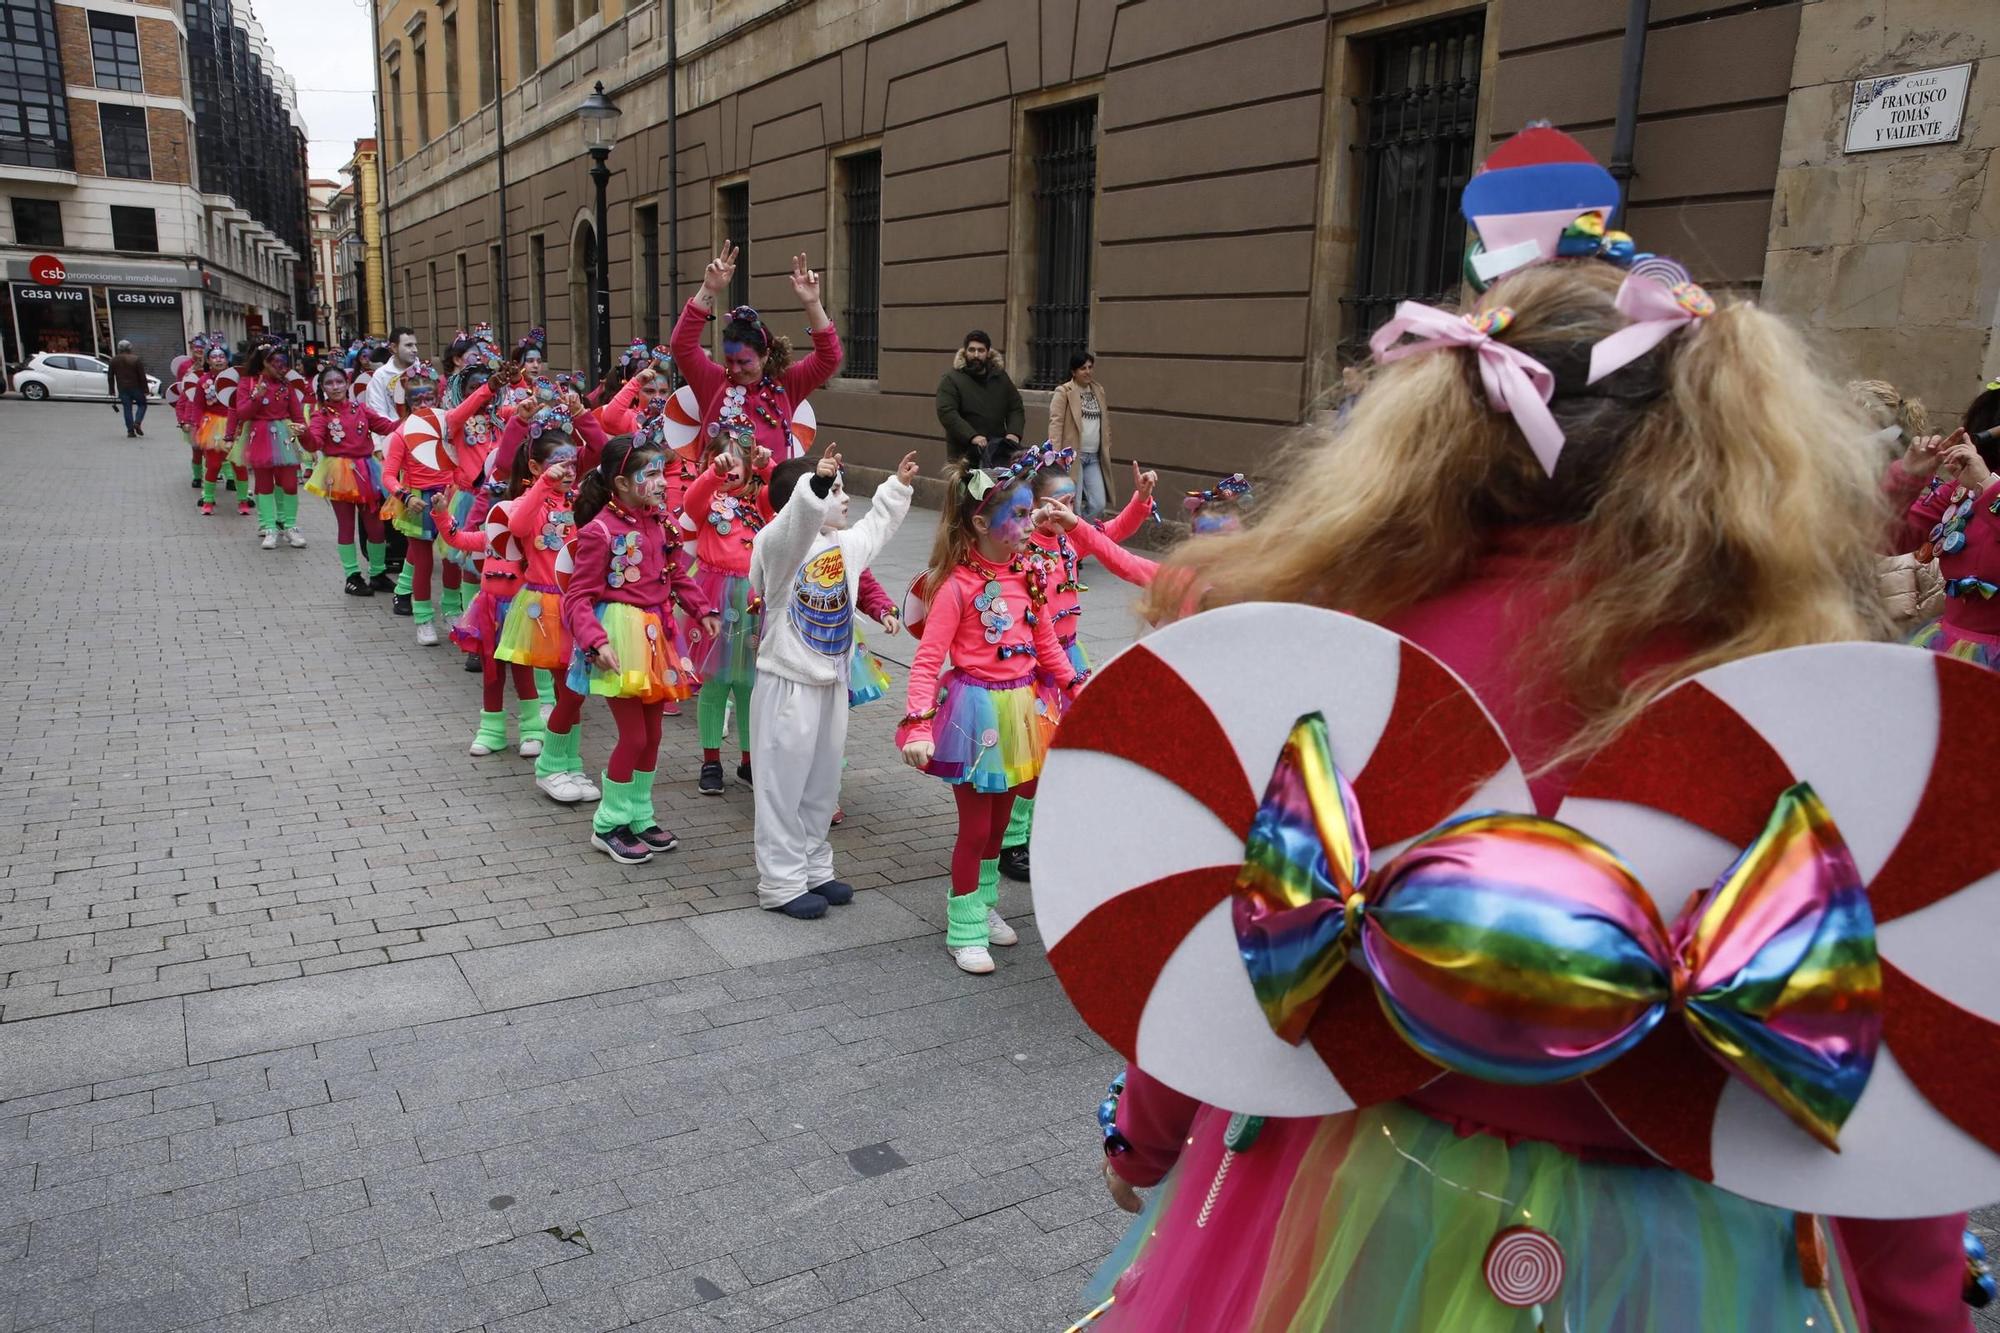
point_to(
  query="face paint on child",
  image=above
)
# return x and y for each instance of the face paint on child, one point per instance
(1013, 517)
(333, 388)
(1060, 490)
(1205, 523)
(651, 483)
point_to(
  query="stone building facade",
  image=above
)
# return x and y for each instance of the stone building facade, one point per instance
(1218, 200)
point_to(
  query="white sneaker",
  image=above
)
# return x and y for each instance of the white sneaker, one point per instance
(477, 750)
(294, 540)
(427, 635)
(562, 788)
(998, 931)
(583, 784)
(530, 748)
(973, 958)
(270, 541)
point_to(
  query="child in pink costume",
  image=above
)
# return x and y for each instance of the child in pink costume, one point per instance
(502, 559)
(984, 725)
(1376, 1220)
(266, 418)
(618, 609)
(423, 464)
(350, 477)
(726, 506)
(760, 386)
(1954, 516)
(209, 409)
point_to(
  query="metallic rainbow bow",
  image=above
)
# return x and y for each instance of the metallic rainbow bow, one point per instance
(1519, 950)
(1517, 385)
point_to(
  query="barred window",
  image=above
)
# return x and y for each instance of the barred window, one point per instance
(732, 207)
(1065, 167)
(861, 225)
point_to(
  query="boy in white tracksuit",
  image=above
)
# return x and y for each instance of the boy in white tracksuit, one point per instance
(806, 567)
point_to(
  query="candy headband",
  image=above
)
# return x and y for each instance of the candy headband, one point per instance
(746, 315)
(1234, 487)
(635, 352)
(422, 377)
(548, 419)
(984, 484)
(650, 431)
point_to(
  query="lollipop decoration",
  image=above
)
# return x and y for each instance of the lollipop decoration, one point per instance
(1524, 1268)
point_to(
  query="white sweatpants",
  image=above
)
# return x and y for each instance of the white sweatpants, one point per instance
(797, 733)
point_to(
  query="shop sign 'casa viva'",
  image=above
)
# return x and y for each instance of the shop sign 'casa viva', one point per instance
(1906, 110)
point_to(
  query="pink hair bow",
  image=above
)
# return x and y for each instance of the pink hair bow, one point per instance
(1516, 383)
(1657, 311)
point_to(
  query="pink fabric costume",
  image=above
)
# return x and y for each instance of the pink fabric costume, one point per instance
(1970, 625)
(769, 403)
(1095, 543)
(1905, 1274)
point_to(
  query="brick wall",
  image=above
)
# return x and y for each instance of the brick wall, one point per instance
(85, 136)
(73, 36)
(160, 57)
(167, 132)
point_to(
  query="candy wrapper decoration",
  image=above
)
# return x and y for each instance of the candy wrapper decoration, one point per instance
(1770, 1024)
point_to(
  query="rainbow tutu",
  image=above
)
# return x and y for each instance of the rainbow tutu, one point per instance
(990, 735)
(1385, 1222)
(1078, 659)
(347, 481)
(478, 630)
(462, 505)
(415, 520)
(643, 642)
(532, 632)
(867, 679)
(212, 434)
(729, 659)
(1979, 649)
(267, 444)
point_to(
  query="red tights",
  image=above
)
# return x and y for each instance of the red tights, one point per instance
(422, 556)
(493, 679)
(639, 739)
(982, 823)
(284, 479)
(568, 708)
(211, 470)
(343, 523)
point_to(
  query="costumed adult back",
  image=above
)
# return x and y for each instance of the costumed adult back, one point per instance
(1416, 1068)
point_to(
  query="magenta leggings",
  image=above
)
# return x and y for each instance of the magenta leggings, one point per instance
(284, 479)
(982, 824)
(638, 744)
(493, 681)
(344, 516)
(568, 706)
(422, 556)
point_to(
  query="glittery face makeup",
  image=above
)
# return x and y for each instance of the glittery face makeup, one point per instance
(651, 483)
(531, 362)
(419, 395)
(1205, 523)
(562, 453)
(746, 363)
(218, 360)
(1059, 489)
(333, 387)
(1012, 522)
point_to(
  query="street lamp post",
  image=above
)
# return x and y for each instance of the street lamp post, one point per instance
(599, 117)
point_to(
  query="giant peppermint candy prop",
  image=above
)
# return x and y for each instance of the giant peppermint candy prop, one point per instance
(683, 413)
(1194, 923)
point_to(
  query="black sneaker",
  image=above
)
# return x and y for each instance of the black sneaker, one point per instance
(656, 838)
(836, 893)
(382, 583)
(743, 774)
(807, 906)
(474, 662)
(401, 603)
(232, 483)
(357, 586)
(622, 847)
(196, 483)
(1014, 863)
(711, 779)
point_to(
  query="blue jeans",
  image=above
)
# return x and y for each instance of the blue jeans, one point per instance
(132, 403)
(1095, 501)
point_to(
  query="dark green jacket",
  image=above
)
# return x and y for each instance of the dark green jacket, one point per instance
(969, 405)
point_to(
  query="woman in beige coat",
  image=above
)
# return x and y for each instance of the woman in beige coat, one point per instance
(1080, 419)
(1912, 589)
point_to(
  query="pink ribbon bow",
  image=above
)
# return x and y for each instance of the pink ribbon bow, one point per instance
(1516, 383)
(1656, 312)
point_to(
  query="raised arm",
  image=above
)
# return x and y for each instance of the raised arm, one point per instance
(1097, 544)
(457, 417)
(782, 546)
(1137, 510)
(618, 416)
(697, 367)
(805, 376)
(891, 505)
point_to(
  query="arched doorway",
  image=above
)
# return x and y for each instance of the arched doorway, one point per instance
(582, 264)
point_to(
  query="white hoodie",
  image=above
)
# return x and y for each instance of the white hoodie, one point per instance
(777, 560)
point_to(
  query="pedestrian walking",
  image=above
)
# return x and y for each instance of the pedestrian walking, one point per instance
(977, 403)
(128, 380)
(1080, 419)
(807, 564)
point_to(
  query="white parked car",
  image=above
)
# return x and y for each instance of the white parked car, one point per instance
(70, 375)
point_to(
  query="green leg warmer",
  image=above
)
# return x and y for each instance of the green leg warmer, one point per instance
(378, 559)
(207, 491)
(195, 463)
(965, 921)
(422, 612)
(350, 562)
(988, 892)
(451, 601)
(709, 707)
(1020, 823)
(614, 811)
(558, 754)
(288, 509)
(492, 731)
(405, 580)
(545, 685)
(529, 714)
(267, 511)
(641, 810)
(742, 693)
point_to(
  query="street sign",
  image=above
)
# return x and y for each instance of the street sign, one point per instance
(47, 270)
(1905, 110)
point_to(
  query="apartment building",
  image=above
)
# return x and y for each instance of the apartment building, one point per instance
(1220, 200)
(152, 150)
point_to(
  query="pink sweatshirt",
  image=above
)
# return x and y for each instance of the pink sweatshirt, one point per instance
(659, 579)
(542, 521)
(1095, 543)
(261, 401)
(874, 600)
(1065, 605)
(1979, 558)
(773, 398)
(1906, 1273)
(587, 430)
(707, 509)
(620, 415)
(359, 424)
(401, 472)
(953, 626)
